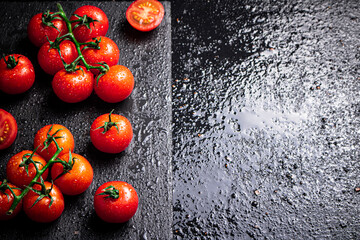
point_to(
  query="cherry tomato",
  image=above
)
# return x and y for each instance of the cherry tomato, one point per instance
(116, 202)
(17, 74)
(42, 211)
(73, 87)
(111, 133)
(116, 85)
(8, 129)
(6, 200)
(22, 175)
(108, 53)
(98, 27)
(63, 136)
(145, 15)
(77, 178)
(37, 30)
(49, 58)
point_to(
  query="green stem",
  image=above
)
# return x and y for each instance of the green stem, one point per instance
(71, 35)
(18, 198)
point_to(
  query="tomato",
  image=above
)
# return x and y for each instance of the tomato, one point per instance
(111, 133)
(17, 74)
(8, 129)
(77, 177)
(42, 211)
(116, 202)
(49, 58)
(92, 29)
(108, 53)
(116, 85)
(18, 175)
(6, 200)
(73, 87)
(145, 15)
(63, 136)
(38, 31)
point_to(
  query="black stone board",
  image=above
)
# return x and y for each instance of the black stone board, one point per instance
(146, 163)
(266, 112)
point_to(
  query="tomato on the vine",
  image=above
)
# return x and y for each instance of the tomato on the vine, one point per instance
(47, 209)
(6, 200)
(108, 53)
(17, 74)
(43, 26)
(63, 137)
(49, 58)
(75, 177)
(145, 15)
(111, 133)
(116, 202)
(116, 85)
(20, 170)
(73, 87)
(97, 25)
(8, 129)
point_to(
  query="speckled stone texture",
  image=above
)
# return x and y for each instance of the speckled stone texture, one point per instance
(146, 164)
(266, 116)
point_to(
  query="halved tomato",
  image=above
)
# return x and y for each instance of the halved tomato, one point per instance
(8, 129)
(145, 15)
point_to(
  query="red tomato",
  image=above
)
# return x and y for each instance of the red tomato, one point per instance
(49, 58)
(6, 200)
(17, 74)
(145, 15)
(116, 202)
(63, 136)
(37, 30)
(73, 87)
(108, 53)
(116, 85)
(111, 135)
(18, 175)
(42, 211)
(99, 27)
(77, 178)
(8, 129)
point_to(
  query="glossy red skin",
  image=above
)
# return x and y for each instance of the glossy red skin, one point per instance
(118, 210)
(49, 59)
(66, 141)
(8, 129)
(18, 79)
(73, 87)
(41, 212)
(156, 18)
(113, 141)
(116, 85)
(79, 177)
(6, 202)
(18, 175)
(37, 31)
(82, 33)
(108, 53)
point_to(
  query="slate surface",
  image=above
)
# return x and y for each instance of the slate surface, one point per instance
(146, 164)
(266, 112)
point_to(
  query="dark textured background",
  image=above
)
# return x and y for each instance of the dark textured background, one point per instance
(265, 112)
(145, 164)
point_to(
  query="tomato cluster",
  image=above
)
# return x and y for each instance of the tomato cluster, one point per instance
(81, 59)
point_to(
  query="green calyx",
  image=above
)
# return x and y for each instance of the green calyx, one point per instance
(110, 192)
(43, 192)
(11, 62)
(84, 20)
(51, 138)
(67, 166)
(47, 19)
(109, 124)
(27, 160)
